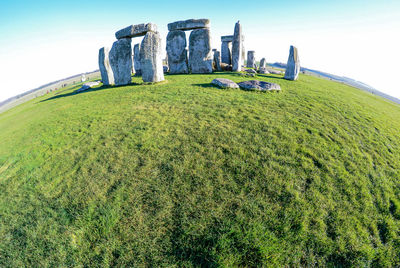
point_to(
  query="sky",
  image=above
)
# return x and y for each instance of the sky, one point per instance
(43, 41)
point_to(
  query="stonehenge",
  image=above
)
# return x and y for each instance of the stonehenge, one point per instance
(251, 59)
(226, 49)
(146, 57)
(293, 65)
(182, 57)
(107, 75)
(237, 48)
(200, 55)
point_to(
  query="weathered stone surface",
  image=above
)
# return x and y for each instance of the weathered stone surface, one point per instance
(226, 52)
(251, 71)
(227, 38)
(237, 47)
(121, 61)
(106, 72)
(136, 59)
(200, 54)
(258, 85)
(273, 71)
(151, 58)
(263, 63)
(263, 70)
(87, 86)
(177, 52)
(224, 83)
(136, 30)
(190, 24)
(251, 59)
(217, 60)
(293, 65)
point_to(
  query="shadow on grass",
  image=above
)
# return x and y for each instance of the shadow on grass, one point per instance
(103, 87)
(205, 85)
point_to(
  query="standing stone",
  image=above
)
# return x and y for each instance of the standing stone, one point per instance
(293, 65)
(217, 60)
(251, 59)
(237, 47)
(263, 63)
(106, 72)
(200, 54)
(226, 55)
(151, 58)
(177, 52)
(121, 61)
(136, 59)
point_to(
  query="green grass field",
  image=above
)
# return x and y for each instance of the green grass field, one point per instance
(186, 174)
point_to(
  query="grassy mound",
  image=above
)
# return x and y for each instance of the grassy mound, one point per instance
(188, 174)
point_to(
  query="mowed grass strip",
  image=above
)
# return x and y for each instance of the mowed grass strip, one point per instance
(185, 174)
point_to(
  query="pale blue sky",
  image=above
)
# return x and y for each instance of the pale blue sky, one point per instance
(43, 41)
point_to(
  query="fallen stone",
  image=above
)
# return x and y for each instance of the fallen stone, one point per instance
(200, 54)
(251, 59)
(293, 65)
(121, 61)
(87, 86)
(227, 38)
(136, 30)
(226, 67)
(237, 48)
(151, 58)
(251, 71)
(177, 52)
(190, 24)
(106, 72)
(273, 71)
(217, 60)
(263, 70)
(258, 85)
(224, 83)
(136, 59)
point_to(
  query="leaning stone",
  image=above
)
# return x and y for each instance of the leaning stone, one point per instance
(263, 63)
(87, 86)
(263, 70)
(200, 54)
(121, 61)
(106, 72)
(227, 38)
(237, 47)
(177, 52)
(293, 65)
(136, 30)
(151, 58)
(217, 60)
(136, 59)
(251, 59)
(224, 83)
(191, 24)
(258, 85)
